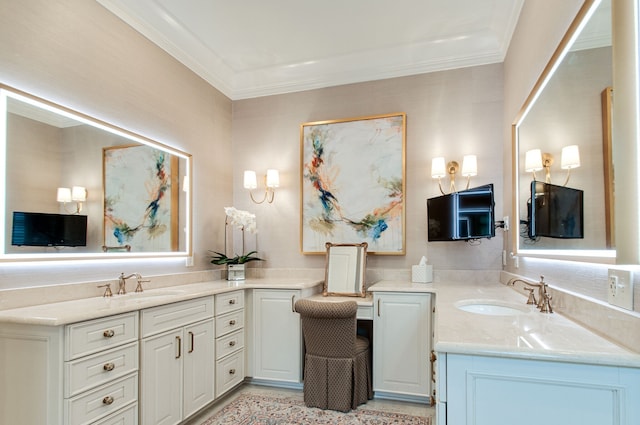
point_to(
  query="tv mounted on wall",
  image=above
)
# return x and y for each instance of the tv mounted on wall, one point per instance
(555, 211)
(467, 214)
(42, 229)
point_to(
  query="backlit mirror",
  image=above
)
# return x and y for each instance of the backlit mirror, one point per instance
(345, 269)
(570, 107)
(80, 188)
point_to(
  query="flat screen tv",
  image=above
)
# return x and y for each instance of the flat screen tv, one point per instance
(555, 211)
(467, 214)
(42, 229)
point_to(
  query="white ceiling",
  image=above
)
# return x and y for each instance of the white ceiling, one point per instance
(256, 48)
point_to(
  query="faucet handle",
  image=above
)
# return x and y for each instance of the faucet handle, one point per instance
(107, 292)
(546, 304)
(140, 282)
(532, 298)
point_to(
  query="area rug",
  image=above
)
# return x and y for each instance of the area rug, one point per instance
(252, 409)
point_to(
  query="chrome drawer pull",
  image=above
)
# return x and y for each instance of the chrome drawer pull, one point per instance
(109, 367)
(108, 333)
(232, 343)
(231, 302)
(232, 371)
(179, 344)
(107, 400)
(232, 322)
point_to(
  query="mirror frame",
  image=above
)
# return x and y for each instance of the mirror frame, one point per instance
(352, 269)
(602, 256)
(11, 92)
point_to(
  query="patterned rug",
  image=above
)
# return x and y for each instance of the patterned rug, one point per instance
(250, 409)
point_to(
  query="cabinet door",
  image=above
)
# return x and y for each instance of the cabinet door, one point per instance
(198, 366)
(402, 338)
(503, 391)
(277, 336)
(161, 379)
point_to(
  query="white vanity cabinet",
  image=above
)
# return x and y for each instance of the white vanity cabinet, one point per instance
(483, 390)
(229, 340)
(177, 367)
(82, 373)
(277, 335)
(401, 345)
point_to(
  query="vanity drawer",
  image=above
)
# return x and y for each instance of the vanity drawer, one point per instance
(365, 312)
(229, 322)
(98, 369)
(128, 416)
(171, 316)
(102, 401)
(229, 301)
(229, 343)
(96, 335)
(229, 372)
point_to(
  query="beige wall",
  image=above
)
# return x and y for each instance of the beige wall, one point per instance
(450, 114)
(77, 54)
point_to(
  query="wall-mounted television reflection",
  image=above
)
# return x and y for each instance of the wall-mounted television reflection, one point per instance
(555, 211)
(464, 215)
(43, 229)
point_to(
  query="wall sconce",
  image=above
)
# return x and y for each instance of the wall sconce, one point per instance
(439, 170)
(535, 160)
(77, 194)
(271, 181)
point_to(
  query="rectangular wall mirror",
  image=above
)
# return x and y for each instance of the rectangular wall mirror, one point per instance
(565, 109)
(345, 269)
(132, 191)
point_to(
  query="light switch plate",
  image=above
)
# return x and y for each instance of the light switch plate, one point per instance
(620, 288)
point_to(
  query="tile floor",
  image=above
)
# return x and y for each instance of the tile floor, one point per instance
(414, 409)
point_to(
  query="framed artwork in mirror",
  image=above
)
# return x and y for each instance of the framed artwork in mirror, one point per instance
(353, 183)
(140, 199)
(345, 270)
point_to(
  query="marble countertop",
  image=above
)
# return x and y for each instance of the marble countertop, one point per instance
(66, 312)
(529, 334)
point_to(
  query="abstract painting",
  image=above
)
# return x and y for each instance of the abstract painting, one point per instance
(353, 183)
(140, 199)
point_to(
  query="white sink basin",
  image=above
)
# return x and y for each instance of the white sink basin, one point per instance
(492, 307)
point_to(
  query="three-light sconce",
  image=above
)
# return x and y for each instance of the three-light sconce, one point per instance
(440, 170)
(271, 181)
(77, 194)
(536, 160)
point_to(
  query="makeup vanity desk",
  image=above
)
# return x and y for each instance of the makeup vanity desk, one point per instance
(398, 322)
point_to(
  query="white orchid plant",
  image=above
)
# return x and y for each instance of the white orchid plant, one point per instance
(243, 220)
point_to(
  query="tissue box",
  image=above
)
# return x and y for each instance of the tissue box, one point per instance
(422, 273)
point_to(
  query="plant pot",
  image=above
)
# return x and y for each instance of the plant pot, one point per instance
(235, 271)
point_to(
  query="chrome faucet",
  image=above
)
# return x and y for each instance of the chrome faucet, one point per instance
(544, 299)
(122, 280)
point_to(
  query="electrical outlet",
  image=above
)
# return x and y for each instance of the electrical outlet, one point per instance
(620, 288)
(189, 262)
(505, 220)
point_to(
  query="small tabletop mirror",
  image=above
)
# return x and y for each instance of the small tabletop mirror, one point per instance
(345, 269)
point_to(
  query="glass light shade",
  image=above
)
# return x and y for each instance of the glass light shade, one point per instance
(438, 168)
(570, 157)
(469, 166)
(250, 180)
(64, 194)
(533, 160)
(78, 194)
(273, 178)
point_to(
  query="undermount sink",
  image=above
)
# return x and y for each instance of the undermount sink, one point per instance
(492, 307)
